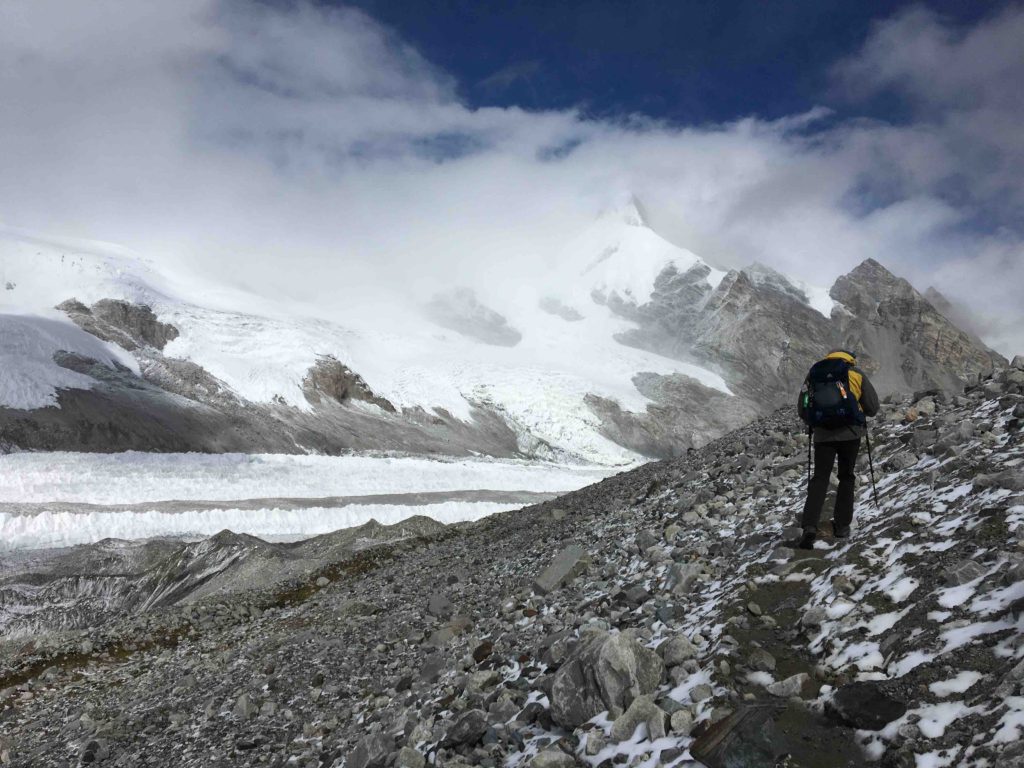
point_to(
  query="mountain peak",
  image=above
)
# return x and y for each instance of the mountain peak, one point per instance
(873, 270)
(625, 208)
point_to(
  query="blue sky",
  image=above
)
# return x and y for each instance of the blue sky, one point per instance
(685, 61)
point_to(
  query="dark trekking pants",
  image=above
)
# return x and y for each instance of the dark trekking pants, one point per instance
(824, 458)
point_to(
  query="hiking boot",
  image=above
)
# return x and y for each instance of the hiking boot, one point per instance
(841, 531)
(807, 540)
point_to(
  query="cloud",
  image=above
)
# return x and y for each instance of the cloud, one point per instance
(310, 152)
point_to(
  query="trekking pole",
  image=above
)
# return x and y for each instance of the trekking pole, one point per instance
(871, 467)
(809, 432)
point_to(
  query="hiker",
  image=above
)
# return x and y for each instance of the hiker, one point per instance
(834, 402)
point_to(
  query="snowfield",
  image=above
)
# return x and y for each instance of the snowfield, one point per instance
(44, 496)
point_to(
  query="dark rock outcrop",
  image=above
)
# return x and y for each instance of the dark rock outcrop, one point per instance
(683, 414)
(459, 310)
(332, 379)
(128, 325)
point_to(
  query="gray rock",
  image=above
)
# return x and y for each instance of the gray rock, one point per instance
(595, 742)
(900, 460)
(552, 758)
(759, 659)
(245, 707)
(323, 581)
(814, 617)
(962, 572)
(567, 565)
(409, 758)
(701, 693)
(643, 711)
(683, 576)
(924, 438)
(371, 751)
(481, 681)
(789, 687)
(1012, 479)
(681, 722)
(606, 672)
(676, 650)
(467, 730)
(93, 751)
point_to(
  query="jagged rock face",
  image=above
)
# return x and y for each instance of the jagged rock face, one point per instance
(759, 331)
(129, 325)
(759, 337)
(684, 414)
(331, 379)
(460, 311)
(902, 336)
(765, 337)
(957, 314)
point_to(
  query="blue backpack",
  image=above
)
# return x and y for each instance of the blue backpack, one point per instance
(828, 400)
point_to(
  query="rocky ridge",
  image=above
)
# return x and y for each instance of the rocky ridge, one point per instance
(759, 329)
(656, 618)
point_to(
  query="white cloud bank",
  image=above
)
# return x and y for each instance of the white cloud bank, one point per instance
(312, 153)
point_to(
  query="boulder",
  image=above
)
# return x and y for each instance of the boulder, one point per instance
(814, 617)
(681, 722)
(682, 577)
(409, 758)
(643, 711)
(567, 565)
(676, 650)
(865, 706)
(467, 730)
(604, 673)
(790, 687)
(552, 758)
(759, 659)
(371, 751)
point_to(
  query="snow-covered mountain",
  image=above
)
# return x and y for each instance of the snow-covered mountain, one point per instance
(634, 347)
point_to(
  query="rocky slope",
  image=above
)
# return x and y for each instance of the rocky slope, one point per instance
(657, 618)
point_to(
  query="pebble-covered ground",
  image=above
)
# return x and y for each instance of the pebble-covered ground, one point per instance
(659, 617)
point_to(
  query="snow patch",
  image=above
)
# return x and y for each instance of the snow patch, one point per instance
(29, 377)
